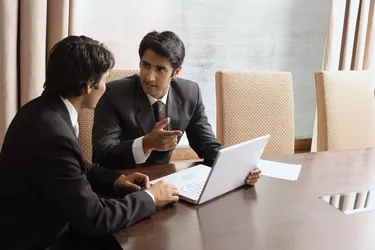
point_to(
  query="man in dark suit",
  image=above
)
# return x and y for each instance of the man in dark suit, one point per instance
(47, 190)
(140, 119)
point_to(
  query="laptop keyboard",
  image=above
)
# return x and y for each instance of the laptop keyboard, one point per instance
(192, 190)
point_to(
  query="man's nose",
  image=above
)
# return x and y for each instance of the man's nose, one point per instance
(150, 77)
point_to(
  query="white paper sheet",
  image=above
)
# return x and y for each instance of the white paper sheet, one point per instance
(280, 170)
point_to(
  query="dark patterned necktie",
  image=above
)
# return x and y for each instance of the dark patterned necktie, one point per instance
(159, 111)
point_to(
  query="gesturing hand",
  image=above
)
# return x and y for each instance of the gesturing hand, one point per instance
(160, 139)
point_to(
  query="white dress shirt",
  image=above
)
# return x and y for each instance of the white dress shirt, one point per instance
(138, 153)
(73, 115)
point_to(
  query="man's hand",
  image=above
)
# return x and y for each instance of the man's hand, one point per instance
(163, 193)
(160, 139)
(133, 182)
(253, 177)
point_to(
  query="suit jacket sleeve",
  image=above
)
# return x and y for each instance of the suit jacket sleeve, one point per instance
(108, 148)
(65, 187)
(102, 180)
(200, 135)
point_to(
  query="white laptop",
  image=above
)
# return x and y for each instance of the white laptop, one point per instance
(201, 183)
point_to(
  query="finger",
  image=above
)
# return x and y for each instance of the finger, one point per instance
(175, 191)
(160, 125)
(168, 140)
(172, 145)
(168, 146)
(132, 186)
(251, 183)
(172, 186)
(165, 148)
(159, 183)
(174, 199)
(253, 177)
(256, 171)
(171, 133)
(143, 180)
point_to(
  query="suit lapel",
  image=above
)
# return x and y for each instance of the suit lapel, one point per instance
(144, 116)
(174, 109)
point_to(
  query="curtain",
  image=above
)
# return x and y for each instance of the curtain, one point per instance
(28, 30)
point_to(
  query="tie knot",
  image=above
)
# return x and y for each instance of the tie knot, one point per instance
(158, 104)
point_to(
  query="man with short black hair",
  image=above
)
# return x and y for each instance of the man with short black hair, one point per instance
(47, 190)
(140, 119)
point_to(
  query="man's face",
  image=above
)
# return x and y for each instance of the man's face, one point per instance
(92, 95)
(156, 73)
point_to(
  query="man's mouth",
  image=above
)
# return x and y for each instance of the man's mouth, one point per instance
(149, 84)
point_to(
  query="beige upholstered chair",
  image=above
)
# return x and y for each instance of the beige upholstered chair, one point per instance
(254, 104)
(346, 110)
(86, 117)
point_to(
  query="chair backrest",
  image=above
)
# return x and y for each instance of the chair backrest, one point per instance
(86, 117)
(252, 104)
(346, 110)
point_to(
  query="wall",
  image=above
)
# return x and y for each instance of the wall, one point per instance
(238, 35)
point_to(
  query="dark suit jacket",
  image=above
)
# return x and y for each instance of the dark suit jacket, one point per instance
(46, 186)
(124, 113)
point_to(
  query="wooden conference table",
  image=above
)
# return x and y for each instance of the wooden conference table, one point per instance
(275, 214)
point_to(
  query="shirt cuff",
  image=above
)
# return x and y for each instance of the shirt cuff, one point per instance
(117, 190)
(138, 152)
(151, 195)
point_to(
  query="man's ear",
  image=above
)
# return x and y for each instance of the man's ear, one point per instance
(176, 72)
(86, 89)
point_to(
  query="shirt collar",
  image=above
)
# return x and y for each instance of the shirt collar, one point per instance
(163, 99)
(72, 112)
